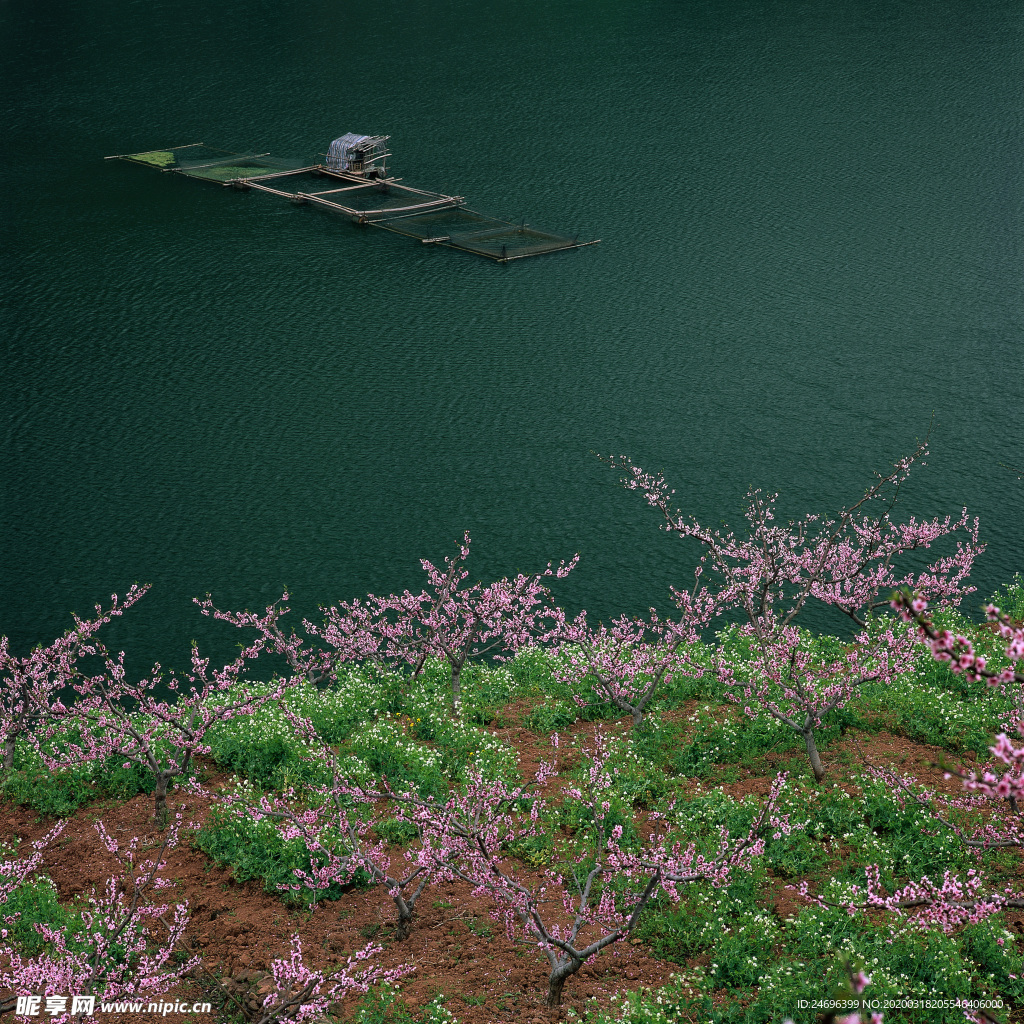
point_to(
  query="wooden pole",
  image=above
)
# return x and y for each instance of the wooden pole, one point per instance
(274, 174)
(347, 188)
(223, 160)
(265, 188)
(170, 149)
(438, 204)
(420, 191)
(312, 198)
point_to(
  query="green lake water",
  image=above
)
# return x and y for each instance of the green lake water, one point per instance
(811, 219)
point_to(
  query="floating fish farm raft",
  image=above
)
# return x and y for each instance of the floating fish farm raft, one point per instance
(353, 181)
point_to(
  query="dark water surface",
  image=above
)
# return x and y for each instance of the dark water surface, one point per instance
(812, 226)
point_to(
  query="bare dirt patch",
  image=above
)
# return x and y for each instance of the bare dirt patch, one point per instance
(457, 948)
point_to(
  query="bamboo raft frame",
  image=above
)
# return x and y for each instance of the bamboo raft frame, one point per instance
(432, 202)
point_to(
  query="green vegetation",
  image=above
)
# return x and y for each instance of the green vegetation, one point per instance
(157, 157)
(227, 172)
(255, 849)
(746, 952)
(382, 1006)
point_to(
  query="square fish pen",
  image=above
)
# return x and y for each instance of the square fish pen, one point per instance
(469, 231)
(372, 202)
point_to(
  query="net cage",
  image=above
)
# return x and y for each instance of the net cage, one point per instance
(365, 196)
(217, 165)
(375, 200)
(477, 233)
(362, 200)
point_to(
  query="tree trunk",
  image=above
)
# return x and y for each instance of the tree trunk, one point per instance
(404, 908)
(404, 924)
(456, 690)
(160, 797)
(557, 980)
(8, 759)
(638, 717)
(555, 986)
(812, 754)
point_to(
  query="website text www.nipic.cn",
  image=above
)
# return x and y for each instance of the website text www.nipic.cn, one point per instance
(33, 1006)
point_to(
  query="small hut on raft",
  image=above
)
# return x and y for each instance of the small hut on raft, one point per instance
(364, 155)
